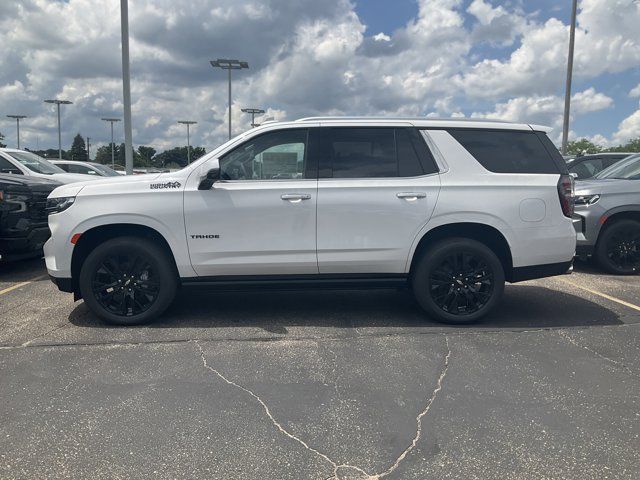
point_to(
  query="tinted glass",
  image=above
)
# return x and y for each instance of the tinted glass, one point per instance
(7, 167)
(35, 163)
(507, 151)
(272, 156)
(104, 170)
(363, 152)
(63, 166)
(588, 168)
(628, 169)
(73, 168)
(408, 161)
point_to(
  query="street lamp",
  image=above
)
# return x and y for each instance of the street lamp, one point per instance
(18, 118)
(126, 87)
(253, 112)
(88, 149)
(567, 93)
(188, 123)
(112, 121)
(58, 103)
(229, 65)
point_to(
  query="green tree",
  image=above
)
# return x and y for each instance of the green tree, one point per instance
(2, 145)
(632, 146)
(146, 154)
(78, 150)
(178, 156)
(103, 154)
(582, 146)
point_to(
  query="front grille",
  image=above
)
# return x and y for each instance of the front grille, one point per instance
(38, 206)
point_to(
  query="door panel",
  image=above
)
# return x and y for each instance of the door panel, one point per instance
(248, 228)
(368, 225)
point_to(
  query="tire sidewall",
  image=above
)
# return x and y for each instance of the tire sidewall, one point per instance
(158, 259)
(433, 257)
(601, 250)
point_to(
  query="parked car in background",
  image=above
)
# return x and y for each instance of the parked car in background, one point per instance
(21, 162)
(23, 218)
(607, 217)
(86, 168)
(451, 209)
(587, 166)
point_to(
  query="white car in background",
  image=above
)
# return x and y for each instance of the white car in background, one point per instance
(21, 162)
(86, 168)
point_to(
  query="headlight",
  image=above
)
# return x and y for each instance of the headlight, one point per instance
(14, 201)
(60, 204)
(587, 200)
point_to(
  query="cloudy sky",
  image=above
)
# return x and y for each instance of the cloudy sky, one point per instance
(493, 58)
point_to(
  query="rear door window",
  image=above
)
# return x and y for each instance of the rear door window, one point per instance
(507, 151)
(7, 167)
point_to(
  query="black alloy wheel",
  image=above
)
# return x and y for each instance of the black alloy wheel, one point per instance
(618, 249)
(462, 283)
(125, 284)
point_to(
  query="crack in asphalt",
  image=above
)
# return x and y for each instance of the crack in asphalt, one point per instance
(563, 334)
(337, 467)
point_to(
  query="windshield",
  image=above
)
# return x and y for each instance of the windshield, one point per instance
(627, 169)
(35, 163)
(106, 171)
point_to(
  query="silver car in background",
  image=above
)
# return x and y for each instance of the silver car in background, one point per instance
(607, 217)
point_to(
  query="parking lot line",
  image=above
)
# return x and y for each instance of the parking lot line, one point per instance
(21, 284)
(603, 295)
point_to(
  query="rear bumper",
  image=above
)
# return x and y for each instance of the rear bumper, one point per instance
(521, 274)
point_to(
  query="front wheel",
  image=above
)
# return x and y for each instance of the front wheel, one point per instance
(618, 249)
(128, 280)
(458, 280)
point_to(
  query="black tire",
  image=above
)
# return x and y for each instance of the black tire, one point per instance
(458, 280)
(128, 281)
(618, 248)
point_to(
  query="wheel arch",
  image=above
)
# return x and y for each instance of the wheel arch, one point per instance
(486, 234)
(100, 234)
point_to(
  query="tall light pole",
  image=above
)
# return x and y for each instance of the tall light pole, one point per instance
(229, 65)
(126, 86)
(18, 118)
(253, 112)
(88, 149)
(112, 121)
(58, 103)
(188, 123)
(567, 94)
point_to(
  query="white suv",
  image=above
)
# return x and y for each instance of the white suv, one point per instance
(452, 209)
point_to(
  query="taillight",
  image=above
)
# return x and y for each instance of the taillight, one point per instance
(566, 192)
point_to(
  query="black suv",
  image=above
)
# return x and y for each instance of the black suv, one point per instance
(23, 215)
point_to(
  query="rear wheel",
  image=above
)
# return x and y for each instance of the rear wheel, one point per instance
(458, 280)
(618, 249)
(128, 280)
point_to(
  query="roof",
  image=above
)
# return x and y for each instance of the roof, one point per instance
(428, 122)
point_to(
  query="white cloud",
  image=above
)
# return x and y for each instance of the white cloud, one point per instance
(635, 92)
(628, 129)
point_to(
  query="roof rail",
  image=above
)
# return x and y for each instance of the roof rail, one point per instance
(379, 118)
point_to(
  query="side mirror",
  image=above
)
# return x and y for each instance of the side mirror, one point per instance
(574, 174)
(211, 177)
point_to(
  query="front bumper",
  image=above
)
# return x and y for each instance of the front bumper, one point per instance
(63, 284)
(25, 246)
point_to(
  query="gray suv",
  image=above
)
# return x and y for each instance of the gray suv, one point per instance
(607, 217)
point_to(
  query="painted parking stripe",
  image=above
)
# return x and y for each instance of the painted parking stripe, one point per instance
(21, 284)
(603, 295)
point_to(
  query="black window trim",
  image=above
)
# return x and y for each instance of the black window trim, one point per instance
(325, 165)
(310, 170)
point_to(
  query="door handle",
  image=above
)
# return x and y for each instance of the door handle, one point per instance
(411, 196)
(295, 197)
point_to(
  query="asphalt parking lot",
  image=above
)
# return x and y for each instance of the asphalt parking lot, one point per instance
(319, 385)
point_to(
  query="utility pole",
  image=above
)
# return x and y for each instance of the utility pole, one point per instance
(88, 149)
(188, 123)
(18, 118)
(112, 121)
(229, 65)
(253, 112)
(567, 95)
(126, 86)
(58, 103)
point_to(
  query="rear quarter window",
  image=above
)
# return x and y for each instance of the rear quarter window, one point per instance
(505, 151)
